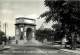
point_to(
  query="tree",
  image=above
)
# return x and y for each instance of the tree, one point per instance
(44, 34)
(65, 11)
(1, 34)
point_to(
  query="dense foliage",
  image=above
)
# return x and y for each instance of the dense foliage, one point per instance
(1, 36)
(44, 34)
(67, 12)
(1, 33)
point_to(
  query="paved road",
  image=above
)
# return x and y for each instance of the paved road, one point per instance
(34, 50)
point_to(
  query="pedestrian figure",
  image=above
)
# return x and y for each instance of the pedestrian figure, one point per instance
(69, 41)
(9, 40)
(5, 40)
(64, 41)
(16, 41)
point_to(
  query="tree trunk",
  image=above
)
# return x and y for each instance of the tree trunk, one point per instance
(73, 45)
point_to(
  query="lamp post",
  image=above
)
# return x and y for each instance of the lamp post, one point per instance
(5, 25)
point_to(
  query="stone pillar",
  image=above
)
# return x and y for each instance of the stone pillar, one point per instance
(17, 33)
(33, 34)
(25, 39)
(25, 36)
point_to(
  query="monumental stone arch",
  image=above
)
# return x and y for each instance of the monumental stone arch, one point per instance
(25, 29)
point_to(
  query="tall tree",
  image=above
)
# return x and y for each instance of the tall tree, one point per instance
(1, 33)
(67, 12)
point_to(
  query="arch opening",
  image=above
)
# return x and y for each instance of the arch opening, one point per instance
(29, 33)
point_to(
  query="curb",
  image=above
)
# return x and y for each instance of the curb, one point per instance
(5, 48)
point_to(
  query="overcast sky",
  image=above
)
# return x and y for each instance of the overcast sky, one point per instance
(10, 9)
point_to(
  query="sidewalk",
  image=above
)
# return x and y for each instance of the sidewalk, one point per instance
(77, 51)
(53, 46)
(4, 47)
